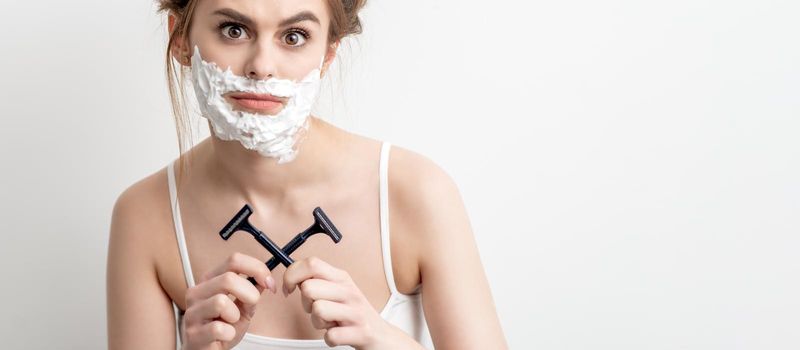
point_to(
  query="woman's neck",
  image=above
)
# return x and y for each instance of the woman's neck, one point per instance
(233, 168)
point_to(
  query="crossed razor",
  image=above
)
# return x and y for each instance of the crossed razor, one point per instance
(240, 222)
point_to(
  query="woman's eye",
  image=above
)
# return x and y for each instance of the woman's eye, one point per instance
(233, 31)
(295, 38)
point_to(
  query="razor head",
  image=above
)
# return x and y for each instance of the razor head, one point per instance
(326, 225)
(235, 224)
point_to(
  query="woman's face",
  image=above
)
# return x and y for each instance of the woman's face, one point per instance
(282, 38)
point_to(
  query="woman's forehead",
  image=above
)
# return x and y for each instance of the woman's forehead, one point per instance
(267, 12)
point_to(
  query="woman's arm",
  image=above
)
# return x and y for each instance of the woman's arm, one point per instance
(456, 297)
(139, 312)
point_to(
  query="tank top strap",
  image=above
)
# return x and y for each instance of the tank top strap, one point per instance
(384, 216)
(176, 219)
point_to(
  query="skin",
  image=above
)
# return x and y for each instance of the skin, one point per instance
(331, 292)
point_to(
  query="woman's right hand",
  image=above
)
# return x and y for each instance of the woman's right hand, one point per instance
(219, 308)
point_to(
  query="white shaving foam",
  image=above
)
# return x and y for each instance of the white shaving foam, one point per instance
(271, 135)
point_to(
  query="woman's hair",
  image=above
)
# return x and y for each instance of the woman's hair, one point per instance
(344, 22)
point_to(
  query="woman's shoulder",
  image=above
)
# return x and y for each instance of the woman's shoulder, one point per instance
(415, 177)
(419, 188)
(141, 211)
(150, 190)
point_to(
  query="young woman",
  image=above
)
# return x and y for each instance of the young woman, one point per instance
(255, 67)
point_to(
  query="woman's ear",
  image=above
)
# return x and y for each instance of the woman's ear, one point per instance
(179, 49)
(330, 54)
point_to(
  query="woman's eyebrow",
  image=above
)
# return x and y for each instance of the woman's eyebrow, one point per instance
(235, 15)
(299, 17)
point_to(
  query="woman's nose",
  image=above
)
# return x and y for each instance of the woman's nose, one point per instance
(262, 62)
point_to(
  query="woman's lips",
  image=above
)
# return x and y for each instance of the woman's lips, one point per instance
(258, 102)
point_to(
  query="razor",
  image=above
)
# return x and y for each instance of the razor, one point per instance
(240, 222)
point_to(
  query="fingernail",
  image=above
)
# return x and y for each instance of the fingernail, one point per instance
(271, 284)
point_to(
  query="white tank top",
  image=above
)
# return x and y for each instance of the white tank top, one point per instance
(401, 310)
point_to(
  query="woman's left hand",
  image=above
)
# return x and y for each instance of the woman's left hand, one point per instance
(336, 304)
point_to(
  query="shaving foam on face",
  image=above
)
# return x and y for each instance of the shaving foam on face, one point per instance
(271, 135)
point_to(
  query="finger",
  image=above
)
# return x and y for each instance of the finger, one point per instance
(330, 311)
(226, 283)
(210, 332)
(316, 289)
(218, 306)
(319, 323)
(311, 267)
(247, 311)
(244, 264)
(338, 336)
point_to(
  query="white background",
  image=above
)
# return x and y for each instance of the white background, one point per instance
(631, 168)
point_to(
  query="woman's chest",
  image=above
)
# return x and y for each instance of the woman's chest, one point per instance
(359, 253)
